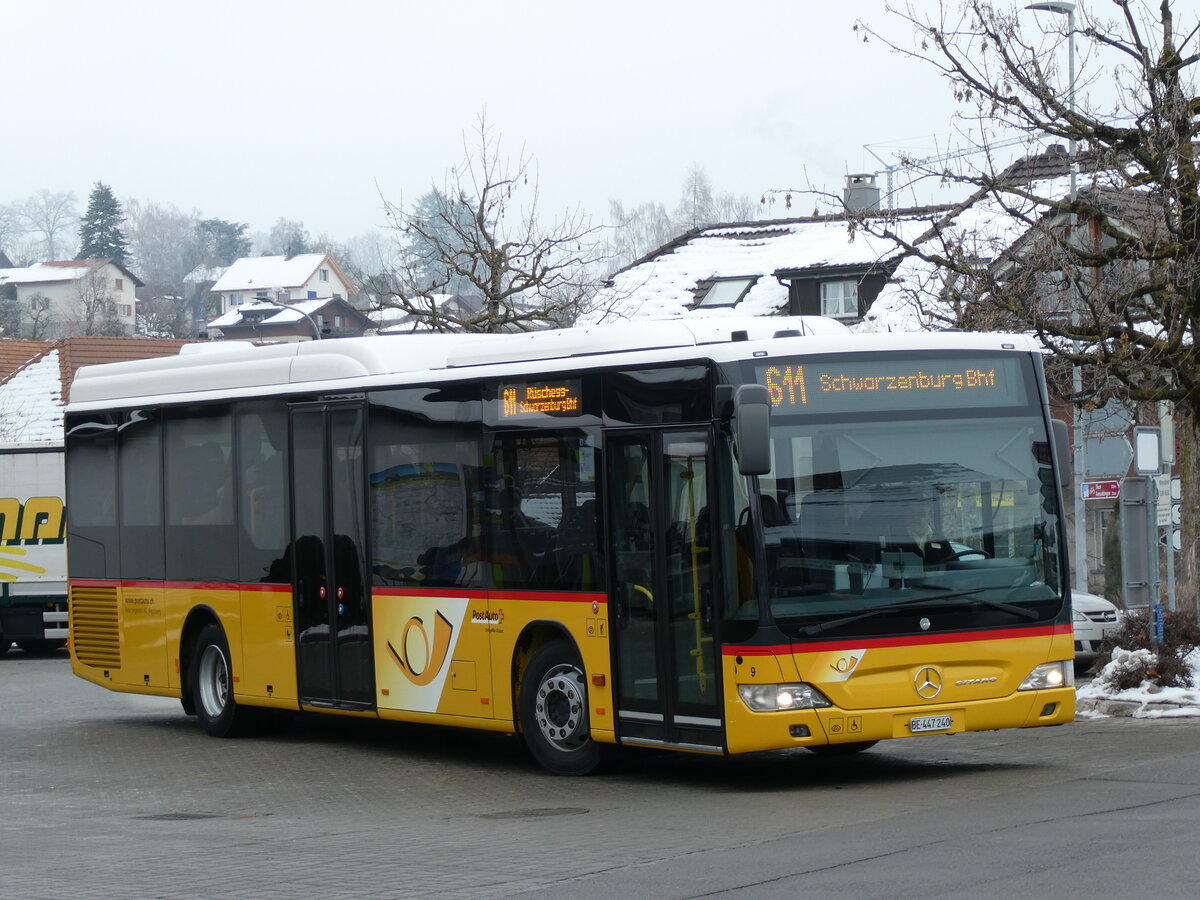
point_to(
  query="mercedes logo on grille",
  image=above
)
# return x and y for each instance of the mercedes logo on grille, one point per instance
(928, 682)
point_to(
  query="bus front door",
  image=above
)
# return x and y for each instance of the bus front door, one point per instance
(330, 592)
(667, 685)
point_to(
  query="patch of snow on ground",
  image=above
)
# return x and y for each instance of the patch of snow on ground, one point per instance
(1156, 702)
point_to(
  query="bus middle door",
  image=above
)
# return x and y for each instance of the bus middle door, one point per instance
(667, 685)
(331, 595)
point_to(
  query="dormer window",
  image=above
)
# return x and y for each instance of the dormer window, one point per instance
(723, 291)
(839, 299)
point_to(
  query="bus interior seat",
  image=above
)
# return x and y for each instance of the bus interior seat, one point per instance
(577, 559)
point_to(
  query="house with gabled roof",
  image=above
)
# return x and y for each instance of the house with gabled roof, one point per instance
(62, 298)
(811, 265)
(304, 276)
(300, 320)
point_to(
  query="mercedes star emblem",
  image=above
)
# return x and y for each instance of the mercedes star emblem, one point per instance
(928, 682)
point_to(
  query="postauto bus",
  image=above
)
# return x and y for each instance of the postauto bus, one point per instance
(715, 535)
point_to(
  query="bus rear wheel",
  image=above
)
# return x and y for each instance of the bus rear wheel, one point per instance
(554, 711)
(212, 685)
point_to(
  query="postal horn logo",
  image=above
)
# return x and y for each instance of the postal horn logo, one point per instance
(417, 658)
(928, 682)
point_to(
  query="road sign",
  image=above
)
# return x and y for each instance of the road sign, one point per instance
(1164, 500)
(1107, 455)
(1102, 490)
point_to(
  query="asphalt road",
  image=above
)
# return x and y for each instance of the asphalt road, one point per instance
(115, 796)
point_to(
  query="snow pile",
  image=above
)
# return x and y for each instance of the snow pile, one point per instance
(1155, 701)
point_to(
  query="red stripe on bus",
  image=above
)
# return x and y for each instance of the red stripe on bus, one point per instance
(255, 587)
(961, 637)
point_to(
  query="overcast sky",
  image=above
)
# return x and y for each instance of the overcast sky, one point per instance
(258, 109)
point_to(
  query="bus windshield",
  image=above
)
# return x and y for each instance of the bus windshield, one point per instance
(888, 505)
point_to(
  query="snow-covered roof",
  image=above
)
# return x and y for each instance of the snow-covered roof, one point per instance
(31, 402)
(34, 393)
(284, 316)
(204, 273)
(260, 273)
(984, 230)
(60, 271)
(664, 283)
(41, 273)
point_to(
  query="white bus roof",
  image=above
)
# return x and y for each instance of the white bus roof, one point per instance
(240, 369)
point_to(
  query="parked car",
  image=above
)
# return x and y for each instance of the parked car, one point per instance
(1094, 618)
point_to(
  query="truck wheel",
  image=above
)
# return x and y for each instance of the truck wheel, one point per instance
(554, 711)
(212, 685)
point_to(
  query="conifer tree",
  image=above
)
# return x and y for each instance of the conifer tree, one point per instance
(100, 234)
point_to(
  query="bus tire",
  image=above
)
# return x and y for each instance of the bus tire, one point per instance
(554, 711)
(842, 749)
(212, 685)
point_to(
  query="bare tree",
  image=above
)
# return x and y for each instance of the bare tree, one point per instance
(41, 318)
(1107, 272)
(635, 232)
(166, 244)
(11, 230)
(95, 311)
(53, 215)
(288, 238)
(481, 232)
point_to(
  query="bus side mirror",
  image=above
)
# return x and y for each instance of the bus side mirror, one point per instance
(1062, 451)
(753, 429)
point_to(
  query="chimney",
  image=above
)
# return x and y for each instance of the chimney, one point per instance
(861, 193)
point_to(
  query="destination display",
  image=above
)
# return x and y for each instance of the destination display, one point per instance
(535, 399)
(833, 384)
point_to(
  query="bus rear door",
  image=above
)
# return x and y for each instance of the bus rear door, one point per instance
(667, 685)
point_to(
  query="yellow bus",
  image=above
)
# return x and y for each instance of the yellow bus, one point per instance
(719, 536)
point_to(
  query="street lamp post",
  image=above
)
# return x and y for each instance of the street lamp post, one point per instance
(1067, 8)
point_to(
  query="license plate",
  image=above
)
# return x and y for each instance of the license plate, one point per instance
(919, 724)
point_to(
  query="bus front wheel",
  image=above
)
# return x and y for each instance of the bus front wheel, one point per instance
(212, 684)
(554, 711)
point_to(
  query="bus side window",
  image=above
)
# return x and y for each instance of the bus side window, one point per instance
(541, 528)
(263, 492)
(201, 542)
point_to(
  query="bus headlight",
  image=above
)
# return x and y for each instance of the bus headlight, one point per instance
(1050, 675)
(774, 697)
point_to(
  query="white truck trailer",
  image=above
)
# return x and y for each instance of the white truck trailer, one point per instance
(33, 549)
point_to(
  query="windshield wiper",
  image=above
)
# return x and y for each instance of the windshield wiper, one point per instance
(820, 627)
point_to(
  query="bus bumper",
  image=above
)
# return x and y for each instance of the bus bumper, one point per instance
(750, 731)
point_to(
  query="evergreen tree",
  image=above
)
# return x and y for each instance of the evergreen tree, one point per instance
(223, 241)
(444, 222)
(100, 234)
